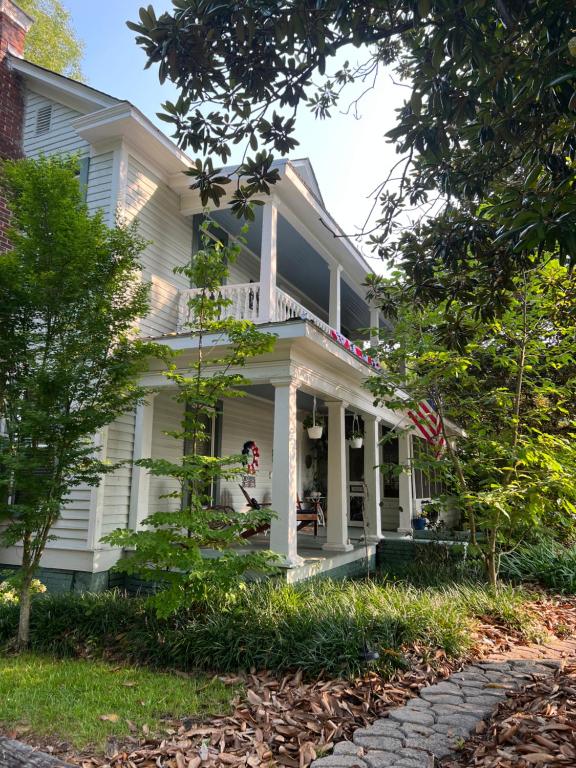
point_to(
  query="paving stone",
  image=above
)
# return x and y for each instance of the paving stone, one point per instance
(439, 746)
(339, 761)
(387, 727)
(378, 759)
(485, 701)
(460, 722)
(471, 674)
(348, 748)
(475, 693)
(409, 762)
(469, 683)
(404, 715)
(416, 729)
(494, 666)
(443, 698)
(470, 709)
(370, 740)
(446, 688)
(418, 704)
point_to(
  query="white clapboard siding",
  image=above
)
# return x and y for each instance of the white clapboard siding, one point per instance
(167, 417)
(248, 419)
(163, 315)
(157, 209)
(61, 138)
(99, 192)
(119, 447)
(72, 527)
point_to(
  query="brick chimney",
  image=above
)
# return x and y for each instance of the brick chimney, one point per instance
(14, 24)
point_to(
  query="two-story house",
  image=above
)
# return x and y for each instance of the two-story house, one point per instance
(293, 278)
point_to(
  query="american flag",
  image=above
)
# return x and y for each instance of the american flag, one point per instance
(429, 424)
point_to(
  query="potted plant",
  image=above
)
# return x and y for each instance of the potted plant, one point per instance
(356, 439)
(315, 426)
(357, 435)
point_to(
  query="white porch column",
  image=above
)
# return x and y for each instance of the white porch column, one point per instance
(334, 313)
(372, 478)
(406, 501)
(268, 263)
(140, 487)
(374, 325)
(337, 506)
(283, 529)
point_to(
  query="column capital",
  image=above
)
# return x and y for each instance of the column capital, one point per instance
(371, 417)
(284, 381)
(334, 266)
(336, 404)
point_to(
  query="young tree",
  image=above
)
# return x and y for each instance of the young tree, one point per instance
(510, 382)
(168, 550)
(51, 41)
(70, 296)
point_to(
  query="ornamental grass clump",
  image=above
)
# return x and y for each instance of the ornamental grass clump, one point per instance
(546, 561)
(322, 627)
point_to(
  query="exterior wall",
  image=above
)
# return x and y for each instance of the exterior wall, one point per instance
(390, 514)
(157, 208)
(243, 419)
(116, 488)
(61, 138)
(99, 192)
(167, 416)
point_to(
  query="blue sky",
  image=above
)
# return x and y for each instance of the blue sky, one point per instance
(350, 156)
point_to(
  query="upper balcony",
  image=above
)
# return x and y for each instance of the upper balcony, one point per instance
(245, 305)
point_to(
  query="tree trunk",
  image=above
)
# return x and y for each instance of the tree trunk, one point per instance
(490, 559)
(14, 754)
(24, 620)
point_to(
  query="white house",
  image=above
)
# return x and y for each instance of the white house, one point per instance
(293, 278)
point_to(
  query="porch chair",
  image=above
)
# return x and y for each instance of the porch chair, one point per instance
(303, 516)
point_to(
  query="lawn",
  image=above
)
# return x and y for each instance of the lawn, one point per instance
(87, 702)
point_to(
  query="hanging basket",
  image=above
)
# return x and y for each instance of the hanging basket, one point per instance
(356, 442)
(315, 432)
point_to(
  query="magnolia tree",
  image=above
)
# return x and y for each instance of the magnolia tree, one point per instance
(168, 550)
(510, 383)
(69, 298)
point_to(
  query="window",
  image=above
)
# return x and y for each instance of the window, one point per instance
(43, 119)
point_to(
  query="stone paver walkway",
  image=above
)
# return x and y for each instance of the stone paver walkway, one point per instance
(430, 726)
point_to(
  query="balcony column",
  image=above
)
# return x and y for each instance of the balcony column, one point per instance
(140, 486)
(374, 326)
(406, 500)
(372, 478)
(337, 503)
(283, 529)
(268, 263)
(334, 309)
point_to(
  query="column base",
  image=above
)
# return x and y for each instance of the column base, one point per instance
(405, 531)
(374, 539)
(291, 562)
(337, 547)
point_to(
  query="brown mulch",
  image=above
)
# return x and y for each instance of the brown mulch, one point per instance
(535, 727)
(289, 721)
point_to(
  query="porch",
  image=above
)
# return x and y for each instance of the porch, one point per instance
(292, 467)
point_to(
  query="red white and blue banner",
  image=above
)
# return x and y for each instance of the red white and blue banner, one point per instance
(356, 350)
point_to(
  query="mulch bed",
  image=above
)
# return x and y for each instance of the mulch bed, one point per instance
(290, 721)
(535, 727)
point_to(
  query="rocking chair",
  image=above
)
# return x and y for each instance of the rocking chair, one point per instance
(303, 516)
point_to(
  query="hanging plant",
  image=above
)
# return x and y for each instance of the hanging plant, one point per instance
(357, 435)
(314, 424)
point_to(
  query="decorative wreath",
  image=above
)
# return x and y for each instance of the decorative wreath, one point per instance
(252, 453)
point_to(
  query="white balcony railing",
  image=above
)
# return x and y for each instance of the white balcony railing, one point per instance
(245, 305)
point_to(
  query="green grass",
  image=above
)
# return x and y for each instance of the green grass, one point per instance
(66, 698)
(319, 626)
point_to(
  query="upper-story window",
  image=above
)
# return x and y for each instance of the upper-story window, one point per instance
(43, 119)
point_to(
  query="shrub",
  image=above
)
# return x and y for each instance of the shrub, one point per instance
(546, 561)
(318, 626)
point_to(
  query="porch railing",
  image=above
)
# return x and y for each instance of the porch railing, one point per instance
(245, 305)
